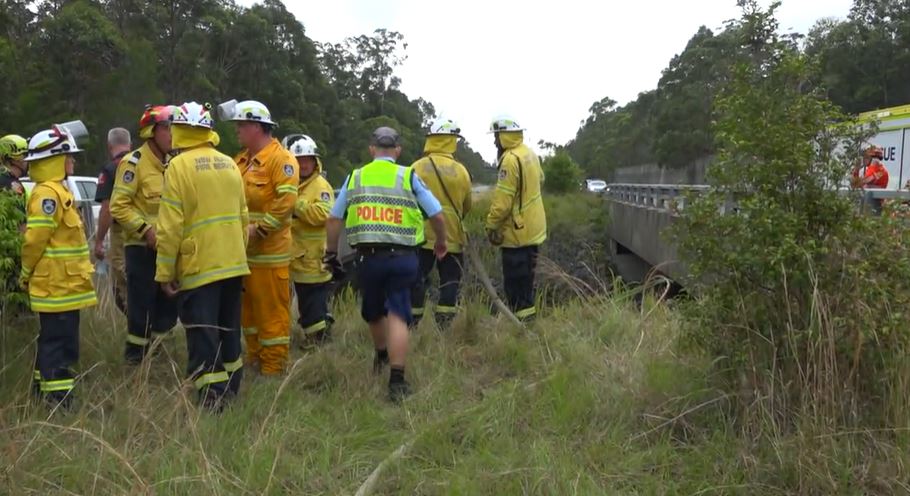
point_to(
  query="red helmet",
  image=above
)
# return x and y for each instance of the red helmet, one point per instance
(153, 115)
(875, 152)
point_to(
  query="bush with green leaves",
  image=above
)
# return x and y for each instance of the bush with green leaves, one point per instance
(799, 296)
(563, 175)
(11, 216)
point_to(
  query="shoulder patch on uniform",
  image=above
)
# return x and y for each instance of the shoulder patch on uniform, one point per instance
(325, 196)
(134, 158)
(48, 206)
(288, 170)
(503, 174)
(128, 176)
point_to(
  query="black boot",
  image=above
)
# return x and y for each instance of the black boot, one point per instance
(399, 389)
(59, 400)
(380, 360)
(444, 321)
(133, 354)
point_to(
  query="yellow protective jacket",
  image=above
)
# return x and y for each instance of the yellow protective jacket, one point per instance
(440, 151)
(202, 232)
(137, 194)
(271, 180)
(517, 211)
(314, 201)
(55, 259)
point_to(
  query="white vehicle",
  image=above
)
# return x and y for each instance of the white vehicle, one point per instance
(893, 135)
(83, 188)
(595, 185)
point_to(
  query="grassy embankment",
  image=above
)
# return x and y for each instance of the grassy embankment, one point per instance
(595, 399)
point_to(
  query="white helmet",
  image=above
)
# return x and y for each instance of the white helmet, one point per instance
(505, 123)
(253, 111)
(301, 145)
(444, 127)
(50, 143)
(193, 114)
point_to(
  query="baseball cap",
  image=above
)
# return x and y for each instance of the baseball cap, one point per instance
(386, 137)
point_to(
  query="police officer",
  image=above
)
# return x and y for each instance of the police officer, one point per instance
(384, 205)
(137, 194)
(517, 221)
(56, 269)
(202, 239)
(270, 180)
(12, 163)
(450, 183)
(118, 145)
(311, 279)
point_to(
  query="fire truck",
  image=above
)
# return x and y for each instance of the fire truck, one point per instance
(894, 139)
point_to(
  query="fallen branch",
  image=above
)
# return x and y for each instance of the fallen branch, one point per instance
(369, 485)
(681, 415)
(487, 284)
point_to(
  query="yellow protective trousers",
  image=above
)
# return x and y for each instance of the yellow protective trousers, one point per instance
(266, 318)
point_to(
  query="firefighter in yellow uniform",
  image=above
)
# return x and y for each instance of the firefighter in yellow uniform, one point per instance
(517, 221)
(202, 252)
(134, 205)
(450, 183)
(56, 268)
(270, 179)
(311, 278)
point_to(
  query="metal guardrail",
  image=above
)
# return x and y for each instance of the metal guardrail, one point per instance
(673, 197)
(663, 197)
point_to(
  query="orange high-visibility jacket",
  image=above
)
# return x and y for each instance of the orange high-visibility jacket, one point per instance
(270, 182)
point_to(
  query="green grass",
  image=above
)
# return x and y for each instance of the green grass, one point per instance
(497, 411)
(596, 398)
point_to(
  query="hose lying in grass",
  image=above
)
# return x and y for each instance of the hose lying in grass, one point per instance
(487, 284)
(369, 485)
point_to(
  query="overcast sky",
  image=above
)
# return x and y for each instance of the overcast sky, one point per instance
(544, 62)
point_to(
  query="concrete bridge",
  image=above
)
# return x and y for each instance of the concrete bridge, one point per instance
(641, 213)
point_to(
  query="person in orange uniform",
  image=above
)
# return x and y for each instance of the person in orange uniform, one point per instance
(876, 175)
(270, 176)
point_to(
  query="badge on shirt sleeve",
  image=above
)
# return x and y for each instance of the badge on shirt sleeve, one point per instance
(128, 176)
(503, 174)
(48, 206)
(325, 196)
(289, 170)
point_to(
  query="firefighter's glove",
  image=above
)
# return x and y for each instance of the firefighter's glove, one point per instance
(333, 265)
(495, 237)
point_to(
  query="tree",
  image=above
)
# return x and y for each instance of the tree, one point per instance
(562, 174)
(102, 60)
(783, 281)
(865, 59)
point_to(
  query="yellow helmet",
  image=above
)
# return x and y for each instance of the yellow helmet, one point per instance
(13, 146)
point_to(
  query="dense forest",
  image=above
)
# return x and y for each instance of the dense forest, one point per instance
(102, 60)
(862, 62)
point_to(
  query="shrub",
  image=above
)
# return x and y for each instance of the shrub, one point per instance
(11, 216)
(562, 173)
(798, 295)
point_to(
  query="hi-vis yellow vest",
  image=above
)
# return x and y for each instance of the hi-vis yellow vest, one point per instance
(55, 258)
(382, 206)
